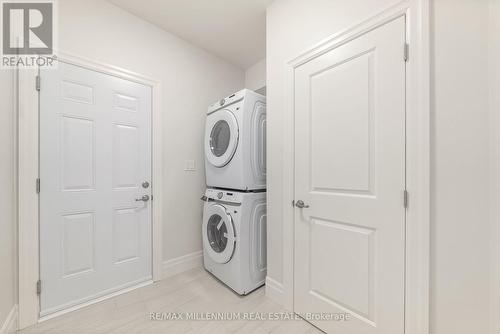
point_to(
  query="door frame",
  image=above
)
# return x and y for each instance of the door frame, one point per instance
(417, 266)
(28, 161)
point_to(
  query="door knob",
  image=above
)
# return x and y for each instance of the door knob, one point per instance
(144, 198)
(301, 205)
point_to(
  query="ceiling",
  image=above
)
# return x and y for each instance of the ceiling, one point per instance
(234, 30)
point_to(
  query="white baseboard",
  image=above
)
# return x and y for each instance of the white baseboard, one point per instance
(111, 293)
(10, 324)
(274, 291)
(182, 263)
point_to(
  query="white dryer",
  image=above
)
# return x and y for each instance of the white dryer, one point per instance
(235, 142)
(234, 238)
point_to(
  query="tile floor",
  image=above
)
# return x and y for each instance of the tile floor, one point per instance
(191, 291)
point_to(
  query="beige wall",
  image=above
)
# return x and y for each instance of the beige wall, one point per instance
(191, 80)
(494, 71)
(8, 226)
(460, 253)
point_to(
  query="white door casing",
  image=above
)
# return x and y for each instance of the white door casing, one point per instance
(350, 169)
(95, 153)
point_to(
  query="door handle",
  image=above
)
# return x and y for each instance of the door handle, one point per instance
(144, 198)
(301, 205)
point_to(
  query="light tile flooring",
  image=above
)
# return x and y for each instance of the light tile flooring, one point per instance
(192, 291)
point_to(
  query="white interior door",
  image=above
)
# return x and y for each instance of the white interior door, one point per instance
(350, 170)
(95, 154)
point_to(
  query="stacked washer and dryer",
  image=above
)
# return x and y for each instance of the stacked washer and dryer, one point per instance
(234, 215)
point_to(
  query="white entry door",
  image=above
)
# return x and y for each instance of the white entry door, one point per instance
(350, 171)
(95, 155)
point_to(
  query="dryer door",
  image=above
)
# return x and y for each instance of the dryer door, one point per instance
(221, 137)
(219, 239)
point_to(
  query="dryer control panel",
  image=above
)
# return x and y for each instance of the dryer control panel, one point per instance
(227, 101)
(225, 196)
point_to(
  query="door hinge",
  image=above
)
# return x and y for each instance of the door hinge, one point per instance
(38, 185)
(405, 198)
(407, 52)
(38, 83)
(39, 287)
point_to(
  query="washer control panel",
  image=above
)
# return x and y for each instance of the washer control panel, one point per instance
(226, 196)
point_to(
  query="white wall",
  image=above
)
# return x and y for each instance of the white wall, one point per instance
(191, 80)
(8, 225)
(460, 163)
(459, 202)
(255, 76)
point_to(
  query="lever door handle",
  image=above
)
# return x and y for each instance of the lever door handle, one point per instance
(301, 205)
(144, 198)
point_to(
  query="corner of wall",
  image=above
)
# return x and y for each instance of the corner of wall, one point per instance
(275, 291)
(182, 263)
(10, 326)
(255, 77)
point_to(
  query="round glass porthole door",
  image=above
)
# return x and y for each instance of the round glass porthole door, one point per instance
(221, 137)
(218, 234)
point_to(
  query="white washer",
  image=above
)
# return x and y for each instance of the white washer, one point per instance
(234, 238)
(235, 142)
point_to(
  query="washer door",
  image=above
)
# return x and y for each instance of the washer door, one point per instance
(218, 234)
(221, 137)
